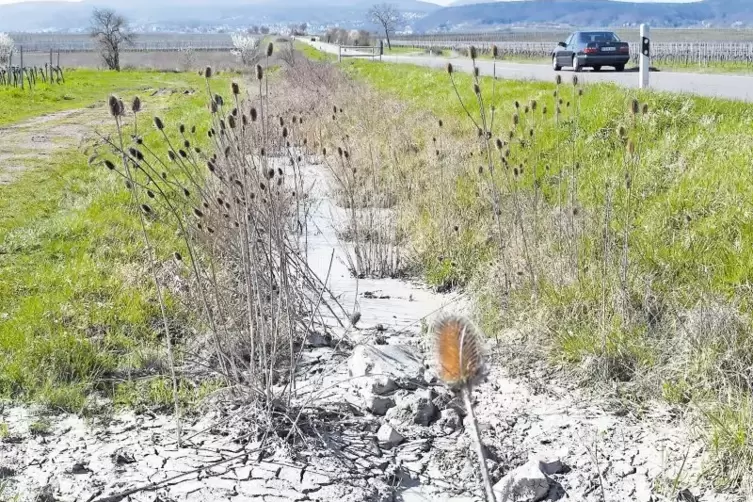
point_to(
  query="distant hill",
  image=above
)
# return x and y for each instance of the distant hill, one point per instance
(482, 16)
(177, 14)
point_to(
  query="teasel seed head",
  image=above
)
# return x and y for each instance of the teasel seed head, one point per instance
(558, 79)
(476, 71)
(449, 68)
(113, 105)
(198, 212)
(458, 352)
(178, 256)
(533, 104)
(259, 72)
(517, 105)
(109, 165)
(634, 107)
(476, 89)
(231, 122)
(631, 147)
(236, 88)
(150, 194)
(146, 208)
(254, 114)
(645, 108)
(158, 123)
(515, 119)
(208, 72)
(441, 124)
(472, 52)
(172, 155)
(495, 51)
(136, 105)
(500, 144)
(270, 49)
(575, 80)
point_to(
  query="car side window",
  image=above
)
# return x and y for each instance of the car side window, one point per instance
(569, 40)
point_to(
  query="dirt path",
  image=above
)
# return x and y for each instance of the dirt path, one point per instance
(35, 141)
(382, 429)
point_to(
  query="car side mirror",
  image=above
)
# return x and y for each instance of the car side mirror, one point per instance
(561, 44)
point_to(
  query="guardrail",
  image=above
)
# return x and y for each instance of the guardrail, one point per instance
(356, 51)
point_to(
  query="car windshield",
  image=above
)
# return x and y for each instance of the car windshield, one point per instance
(597, 36)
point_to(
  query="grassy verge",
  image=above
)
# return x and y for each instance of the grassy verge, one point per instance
(77, 308)
(313, 53)
(604, 229)
(81, 89)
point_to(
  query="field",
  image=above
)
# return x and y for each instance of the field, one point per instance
(220, 259)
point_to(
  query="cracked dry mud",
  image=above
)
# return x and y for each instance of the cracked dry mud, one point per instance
(375, 426)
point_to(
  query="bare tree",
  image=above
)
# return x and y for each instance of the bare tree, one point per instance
(388, 17)
(111, 31)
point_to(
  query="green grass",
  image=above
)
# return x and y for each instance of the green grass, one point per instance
(78, 307)
(679, 327)
(313, 53)
(81, 88)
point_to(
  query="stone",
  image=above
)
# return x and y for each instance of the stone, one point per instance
(525, 484)
(426, 413)
(379, 405)
(293, 475)
(402, 363)
(549, 465)
(686, 496)
(318, 340)
(382, 385)
(450, 419)
(623, 469)
(389, 437)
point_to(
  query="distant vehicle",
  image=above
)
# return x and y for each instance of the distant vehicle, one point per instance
(591, 49)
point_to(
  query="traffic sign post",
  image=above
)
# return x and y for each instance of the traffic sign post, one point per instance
(645, 58)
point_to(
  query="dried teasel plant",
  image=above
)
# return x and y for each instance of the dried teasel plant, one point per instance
(236, 206)
(459, 363)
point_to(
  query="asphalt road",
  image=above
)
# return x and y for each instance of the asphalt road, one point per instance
(735, 87)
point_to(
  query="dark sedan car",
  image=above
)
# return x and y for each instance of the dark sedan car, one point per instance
(591, 49)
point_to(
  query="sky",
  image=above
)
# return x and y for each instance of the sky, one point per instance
(439, 2)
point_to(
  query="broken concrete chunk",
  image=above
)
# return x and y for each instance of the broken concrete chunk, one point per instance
(389, 437)
(527, 483)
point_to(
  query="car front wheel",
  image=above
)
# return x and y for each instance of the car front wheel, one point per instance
(620, 67)
(555, 66)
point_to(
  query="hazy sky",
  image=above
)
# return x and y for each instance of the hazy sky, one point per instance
(440, 2)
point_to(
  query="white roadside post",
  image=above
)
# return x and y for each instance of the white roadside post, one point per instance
(645, 59)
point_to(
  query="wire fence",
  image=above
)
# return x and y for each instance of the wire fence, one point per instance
(662, 53)
(35, 43)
